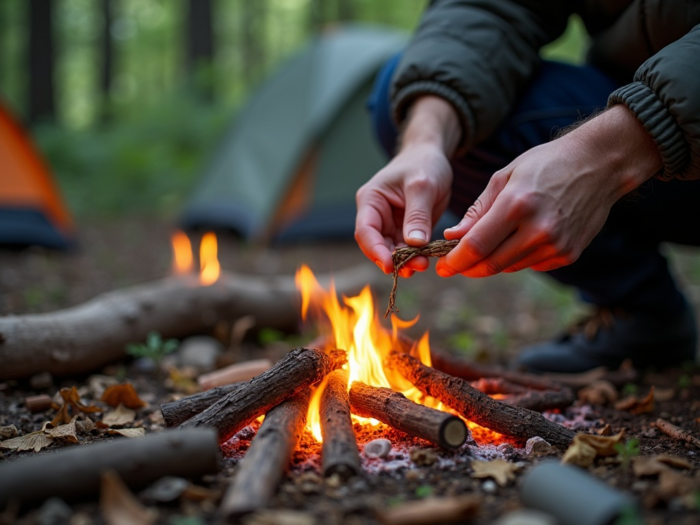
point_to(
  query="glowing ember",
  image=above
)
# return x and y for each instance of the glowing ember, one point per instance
(182, 253)
(208, 261)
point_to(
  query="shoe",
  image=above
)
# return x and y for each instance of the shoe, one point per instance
(610, 336)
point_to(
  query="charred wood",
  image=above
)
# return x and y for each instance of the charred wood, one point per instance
(177, 412)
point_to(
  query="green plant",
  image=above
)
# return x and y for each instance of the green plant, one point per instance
(464, 342)
(629, 389)
(155, 348)
(629, 516)
(424, 491)
(625, 452)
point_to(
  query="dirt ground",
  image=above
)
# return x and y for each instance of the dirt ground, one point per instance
(484, 320)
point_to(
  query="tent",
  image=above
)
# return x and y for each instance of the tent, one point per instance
(291, 162)
(31, 209)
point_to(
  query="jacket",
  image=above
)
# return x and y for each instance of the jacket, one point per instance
(480, 54)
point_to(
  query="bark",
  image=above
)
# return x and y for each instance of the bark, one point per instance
(394, 409)
(340, 453)
(74, 473)
(477, 406)
(179, 411)
(299, 369)
(88, 336)
(541, 400)
(267, 459)
(677, 432)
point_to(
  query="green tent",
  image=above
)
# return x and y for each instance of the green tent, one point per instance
(289, 166)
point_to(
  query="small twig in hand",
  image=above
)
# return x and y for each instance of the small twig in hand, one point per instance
(402, 255)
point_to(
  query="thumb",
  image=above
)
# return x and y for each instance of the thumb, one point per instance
(417, 222)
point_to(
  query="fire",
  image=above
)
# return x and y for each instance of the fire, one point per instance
(182, 253)
(208, 257)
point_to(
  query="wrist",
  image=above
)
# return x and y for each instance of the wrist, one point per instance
(432, 122)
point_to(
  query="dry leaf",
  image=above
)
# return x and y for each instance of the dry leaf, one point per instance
(67, 432)
(181, 381)
(653, 466)
(98, 383)
(119, 506)
(34, 441)
(585, 447)
(71, 399)
(8, 432)
(673, 484)
(85, 426)
(119, 417)
(637, 406)
(600, 392)
(432, 510)
(499, 469)
(124, 394)
(128, 432)
(605, 431)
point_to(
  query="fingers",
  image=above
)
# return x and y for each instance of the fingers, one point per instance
(420, 201)
(368, 227)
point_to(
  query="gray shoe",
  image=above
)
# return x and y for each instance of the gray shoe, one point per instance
(611, 336)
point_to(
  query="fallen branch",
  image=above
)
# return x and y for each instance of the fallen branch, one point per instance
(677, 432)
(177, 412)
(297, 370)
(75, 472)
(267, 459)
(477, 406)
(394, 409)
(92, 334)
(339, 453)
(542, 400)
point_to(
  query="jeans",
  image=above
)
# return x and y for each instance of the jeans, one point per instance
(622, 267)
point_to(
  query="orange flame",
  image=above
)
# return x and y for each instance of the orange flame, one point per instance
(182, 253)
(208, 261)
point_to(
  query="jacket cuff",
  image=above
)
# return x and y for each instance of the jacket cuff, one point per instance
(403, 99)
(659, 123)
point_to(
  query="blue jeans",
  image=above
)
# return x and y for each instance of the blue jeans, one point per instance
(622, 266)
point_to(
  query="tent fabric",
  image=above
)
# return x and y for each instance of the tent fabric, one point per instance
(291, 162)
(31, 209)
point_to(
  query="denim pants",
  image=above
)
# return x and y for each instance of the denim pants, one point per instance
(622, 267)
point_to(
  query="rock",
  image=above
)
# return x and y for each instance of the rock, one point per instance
(423, 457)
(526, 517)
(537, 446)
(506, 449)
(166, 489)
(42, 381)
(199, 352)
(54, 511)
(8, 432)
(489, 486)
(377, 448)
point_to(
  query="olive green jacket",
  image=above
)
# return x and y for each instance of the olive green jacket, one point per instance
(480, 54)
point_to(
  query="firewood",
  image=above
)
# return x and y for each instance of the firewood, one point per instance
(677, 432)
(541, 400)
(90, 335)
(477, 406)
(394, 409)
(177, 412)
(235, 373)
(74, 472)
(297, 370)
(267, 458)
(339, 453)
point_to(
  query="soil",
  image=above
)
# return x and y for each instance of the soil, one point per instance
(487, 320)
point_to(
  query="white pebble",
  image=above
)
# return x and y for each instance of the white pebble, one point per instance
(377, 448)
(489, 486)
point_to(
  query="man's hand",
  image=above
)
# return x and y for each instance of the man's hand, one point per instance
(545, 207)
(401, 202)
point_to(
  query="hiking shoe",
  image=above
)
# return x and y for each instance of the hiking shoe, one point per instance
(609, 337)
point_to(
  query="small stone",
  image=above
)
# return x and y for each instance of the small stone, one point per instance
(506, 449)
(423, 457)
(41, 381)
(54, 511)
(334, 481)
(489, 486)
(166, 489)
(200, 352)
(526, 517)
(537, 446)
(8, 432)
(377, 448)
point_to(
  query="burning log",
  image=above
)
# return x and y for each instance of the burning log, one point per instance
(87, 336)
(297, 370)
(177, 412)
(394, 409)
(267, 459)
(340, 454)
(477, 406)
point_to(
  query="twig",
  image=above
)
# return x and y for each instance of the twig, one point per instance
(677, 432)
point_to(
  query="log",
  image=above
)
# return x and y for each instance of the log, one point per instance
(339, 454)
(177, 412)
(476, 406)
(267, 458)
(74, 473)
(541, 400)
(392, 408)
(677, 432)
(90, 335)
(300, 368)
(235, 373)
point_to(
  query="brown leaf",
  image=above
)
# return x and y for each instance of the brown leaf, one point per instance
(655, 465)
(499, 469)
(119, 506)
(127, 432)
(119, 417)
(71, 399)
(122, 394)
(34, 441)
(637, 406)
(600, 392)
(67, 432)
(431, 510)
(673, 484)
(585, 447)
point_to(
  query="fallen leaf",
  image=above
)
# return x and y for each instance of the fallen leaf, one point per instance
(71, 399)
(122, 394)
(605, 431)
(127, 432)
(637, 406)
(119, 417)
(85, 426)
(600, 392)
(585, 447)
(673, 484)
(655, 465)
(119, 506)
(34, 441)
(98, 383)
(8, 432)
(499, 469)
(182, 381)
(431, 510)
(67, 432)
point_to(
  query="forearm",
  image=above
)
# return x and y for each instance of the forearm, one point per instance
(432, 121)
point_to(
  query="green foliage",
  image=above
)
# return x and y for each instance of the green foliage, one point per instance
(629, 389)
(625, 452)
(464, 343)
(154, 348)
(268, 336)
(629, 516)
(424, 491)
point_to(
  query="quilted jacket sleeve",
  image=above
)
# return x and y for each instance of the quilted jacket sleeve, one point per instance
(478, 55)
(665, 97)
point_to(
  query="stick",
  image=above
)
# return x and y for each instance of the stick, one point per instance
(74, 472)
(394, 409)
(267, 459)
(88, 336)
(340, 454)
(477, 406)
(234, 373)
(177, 412)
(677, 432)
(542, 400)
(297, 370)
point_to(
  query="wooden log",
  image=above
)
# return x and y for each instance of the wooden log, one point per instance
(677, 432)
(498, 385)
(235, 373)
(477, 406)
(177, 412)
(300, 368)
(339, 454)
(74, 472)
(541, 400)
(394, 409)
(267, 458)
(90, 335)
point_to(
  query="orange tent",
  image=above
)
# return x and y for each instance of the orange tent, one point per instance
(31, 209)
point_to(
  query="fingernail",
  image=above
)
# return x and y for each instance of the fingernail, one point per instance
(380, 265)
(443, 273)
(417, 235)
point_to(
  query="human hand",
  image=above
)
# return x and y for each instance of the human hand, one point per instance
(545, 207)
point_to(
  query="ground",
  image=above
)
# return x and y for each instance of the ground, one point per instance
(485, 320)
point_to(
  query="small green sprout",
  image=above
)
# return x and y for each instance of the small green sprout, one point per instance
(424, 491)
(155, 348)
(626, 451)
(629, 389)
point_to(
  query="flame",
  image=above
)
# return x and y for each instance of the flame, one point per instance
(182, 253)
(208, 261)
